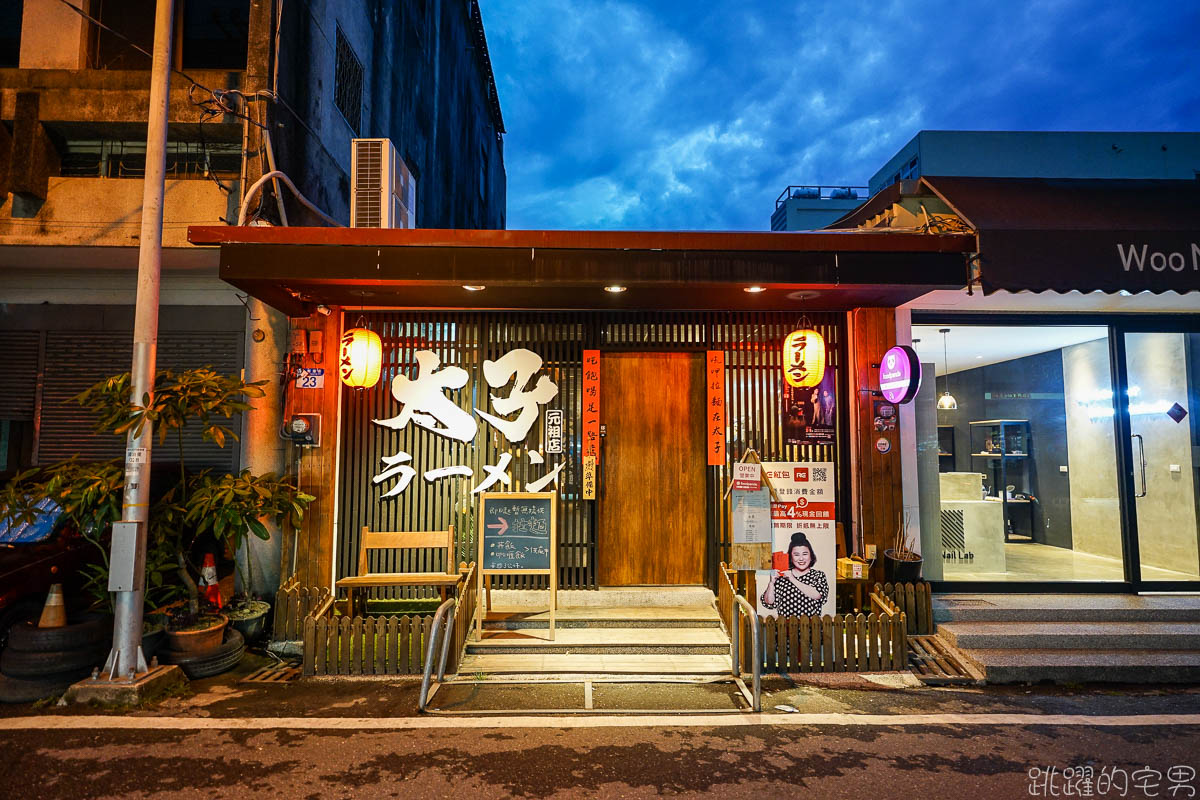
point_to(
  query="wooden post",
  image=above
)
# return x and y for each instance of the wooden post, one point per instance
(875, 476)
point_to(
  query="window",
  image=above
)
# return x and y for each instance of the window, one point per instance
(348, 83)
(215, 34)
(10, 33)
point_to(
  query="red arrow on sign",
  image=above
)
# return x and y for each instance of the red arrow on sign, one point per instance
(502, 527)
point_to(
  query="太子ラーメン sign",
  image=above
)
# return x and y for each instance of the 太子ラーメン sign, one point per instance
(900, 374)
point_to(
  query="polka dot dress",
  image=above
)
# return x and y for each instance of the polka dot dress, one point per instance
(790, 602)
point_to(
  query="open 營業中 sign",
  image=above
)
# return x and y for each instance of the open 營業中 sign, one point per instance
(518, 534)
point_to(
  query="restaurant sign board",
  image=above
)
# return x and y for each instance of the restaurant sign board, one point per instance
(900, 374)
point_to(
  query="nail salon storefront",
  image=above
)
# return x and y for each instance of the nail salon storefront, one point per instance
(1057, 435)
(517, 360)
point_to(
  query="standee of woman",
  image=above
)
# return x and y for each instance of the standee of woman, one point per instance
(800, 590)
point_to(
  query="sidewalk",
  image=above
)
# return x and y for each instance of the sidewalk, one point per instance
(223, 697)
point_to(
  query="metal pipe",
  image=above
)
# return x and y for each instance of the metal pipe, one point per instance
(430, 648)
(755, 648)
(126, 656)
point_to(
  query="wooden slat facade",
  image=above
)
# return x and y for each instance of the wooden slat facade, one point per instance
(754, 381)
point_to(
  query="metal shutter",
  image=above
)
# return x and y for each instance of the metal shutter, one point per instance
(18, 379)
(76, 360)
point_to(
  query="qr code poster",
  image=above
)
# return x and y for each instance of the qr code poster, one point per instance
(803, 541)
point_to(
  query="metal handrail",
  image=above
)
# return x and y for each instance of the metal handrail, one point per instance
(743, 605)
(431, 646)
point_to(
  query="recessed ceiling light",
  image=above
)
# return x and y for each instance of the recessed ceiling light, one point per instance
(979, 356)
(473, 287)
(754, 289)
(614, 289)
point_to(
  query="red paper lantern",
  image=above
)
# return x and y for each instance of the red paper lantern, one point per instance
(361, 358)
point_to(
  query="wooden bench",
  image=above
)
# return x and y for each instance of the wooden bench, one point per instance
(365, 579)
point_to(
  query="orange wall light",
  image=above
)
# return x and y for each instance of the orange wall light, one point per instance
(361, 358)
(804, 358)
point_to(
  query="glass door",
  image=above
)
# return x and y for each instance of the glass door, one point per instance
(1162, 400)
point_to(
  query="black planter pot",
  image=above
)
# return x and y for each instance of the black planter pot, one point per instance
(251, 627)
(898, 571)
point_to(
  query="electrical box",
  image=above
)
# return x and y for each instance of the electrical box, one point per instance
(298, 341)
(316, 343)
(127, 564)
(305, 430)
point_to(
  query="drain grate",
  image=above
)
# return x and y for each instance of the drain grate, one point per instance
(933, 663)
(286, 672)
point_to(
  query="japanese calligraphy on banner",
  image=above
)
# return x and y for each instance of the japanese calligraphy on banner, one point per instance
(804, 541)
(591, 404)
(715, 407)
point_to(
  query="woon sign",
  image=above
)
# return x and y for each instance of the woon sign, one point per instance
(1141, 258)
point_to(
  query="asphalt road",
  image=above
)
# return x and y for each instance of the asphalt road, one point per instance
(362, 739)
(852, 761)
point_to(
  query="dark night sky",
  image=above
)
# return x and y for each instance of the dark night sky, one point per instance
(676, 116)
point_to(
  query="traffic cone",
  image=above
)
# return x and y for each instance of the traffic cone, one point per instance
(209, 589)
(54, 613)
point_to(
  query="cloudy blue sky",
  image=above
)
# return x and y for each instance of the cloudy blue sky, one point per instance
(669, 115)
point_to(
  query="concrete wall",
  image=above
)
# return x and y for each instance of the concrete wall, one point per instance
(52, 36)
(1091, 451)
(1167, 533)
(107, 212)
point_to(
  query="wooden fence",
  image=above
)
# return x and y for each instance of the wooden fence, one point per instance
(842, 643)
(384, 645)
(365, 646)
(293, 603)
(916, 601)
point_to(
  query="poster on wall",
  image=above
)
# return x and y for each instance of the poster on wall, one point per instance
(804, 547)
(810, 413)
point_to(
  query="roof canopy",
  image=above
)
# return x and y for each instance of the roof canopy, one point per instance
(1064, 235)
(293, 269)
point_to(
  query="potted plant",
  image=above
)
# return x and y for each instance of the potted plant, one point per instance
(224, 505)
(231, 507)
(901, 562)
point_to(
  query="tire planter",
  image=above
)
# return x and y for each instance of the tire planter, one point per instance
(27, 690)
(90, 631)
(221, 659)
(199, 642)
(19, 664)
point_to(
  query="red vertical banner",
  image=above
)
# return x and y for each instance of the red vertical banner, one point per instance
(715, 407)
(591, 404)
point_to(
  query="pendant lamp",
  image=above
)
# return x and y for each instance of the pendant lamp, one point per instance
(946, 402)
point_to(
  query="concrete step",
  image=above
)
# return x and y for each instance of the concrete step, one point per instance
(1066, 608)
(603, 641)
(1002, 665)
(1073, 635)
(695, 616)
(493, 664)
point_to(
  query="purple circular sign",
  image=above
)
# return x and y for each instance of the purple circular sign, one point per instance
(900, 374)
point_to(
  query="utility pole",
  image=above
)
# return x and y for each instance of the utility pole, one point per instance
(128, 561)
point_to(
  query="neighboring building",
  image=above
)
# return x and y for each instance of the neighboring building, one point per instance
(1043, 154)
(1065, 355)
(74, 92)
(808, 208)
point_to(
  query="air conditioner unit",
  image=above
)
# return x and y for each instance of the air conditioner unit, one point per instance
(383, 193)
